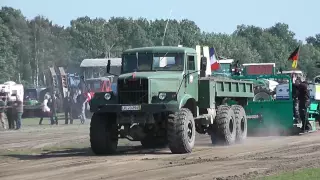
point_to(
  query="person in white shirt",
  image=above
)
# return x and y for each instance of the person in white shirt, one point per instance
(45, 108)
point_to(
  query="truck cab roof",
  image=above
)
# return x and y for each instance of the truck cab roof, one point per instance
(161, 49)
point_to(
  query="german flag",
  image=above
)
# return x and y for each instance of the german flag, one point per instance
(294, 56)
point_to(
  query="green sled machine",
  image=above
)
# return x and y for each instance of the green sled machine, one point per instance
(271, 111)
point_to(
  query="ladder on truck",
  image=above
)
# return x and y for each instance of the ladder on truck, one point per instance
(54, 80)
(64, 82)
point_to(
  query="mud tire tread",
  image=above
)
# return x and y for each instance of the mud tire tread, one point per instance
(221, 133)
(103, 134)
(177, 131)
(239, 114)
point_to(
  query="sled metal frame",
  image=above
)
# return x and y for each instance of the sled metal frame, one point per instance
(276, 115)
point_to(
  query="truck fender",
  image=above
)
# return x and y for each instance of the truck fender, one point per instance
(189, 102)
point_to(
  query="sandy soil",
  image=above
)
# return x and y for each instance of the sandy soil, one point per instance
(62, 152)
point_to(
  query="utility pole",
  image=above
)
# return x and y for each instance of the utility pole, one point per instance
(37, 71)
(19, 76)
(35, 79)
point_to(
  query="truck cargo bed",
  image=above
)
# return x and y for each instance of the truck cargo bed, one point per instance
(212, 87)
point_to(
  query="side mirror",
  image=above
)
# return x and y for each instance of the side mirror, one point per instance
(108, 66)
(203, 64)
(82, 78)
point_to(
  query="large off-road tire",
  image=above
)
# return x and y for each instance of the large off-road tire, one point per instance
(103, 134)
(224, 128)
(154, 142)
(262, 94)
(241, 123)
(181, 131)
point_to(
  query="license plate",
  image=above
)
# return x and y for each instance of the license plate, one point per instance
(131, 108)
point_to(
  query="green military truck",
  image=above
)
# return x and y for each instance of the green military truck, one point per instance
(163, 98)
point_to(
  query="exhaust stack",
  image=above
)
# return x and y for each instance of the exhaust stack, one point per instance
(205, 50)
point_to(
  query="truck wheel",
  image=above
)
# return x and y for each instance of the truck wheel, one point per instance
(154, 142)
(241, 122)
(181, 131)
(103, 134)
(225, 126)
(262, 94)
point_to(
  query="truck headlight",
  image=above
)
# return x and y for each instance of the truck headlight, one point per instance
(107, 96)
(162, 96)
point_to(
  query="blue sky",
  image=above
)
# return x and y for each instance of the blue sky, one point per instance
(209, 15)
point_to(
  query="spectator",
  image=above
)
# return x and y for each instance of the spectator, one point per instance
(10, 113)
(3, 93)
(2, 112)
(304, 103)
(68, 109)
(18, 107)
(82, 100)
(54, 107)
(45, 109)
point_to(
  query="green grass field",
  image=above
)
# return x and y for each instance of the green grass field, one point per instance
(305, 174)
(35, 120)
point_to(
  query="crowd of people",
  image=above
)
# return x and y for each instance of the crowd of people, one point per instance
(74, 105)
(11, 110)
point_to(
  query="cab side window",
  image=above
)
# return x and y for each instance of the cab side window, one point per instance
(191, 63)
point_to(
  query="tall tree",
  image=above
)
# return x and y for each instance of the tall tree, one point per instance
(29, 47)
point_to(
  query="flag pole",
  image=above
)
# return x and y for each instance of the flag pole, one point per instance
(280, 69)
(216, 54)
(300, 45)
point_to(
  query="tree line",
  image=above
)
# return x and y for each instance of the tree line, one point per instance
(29, 47)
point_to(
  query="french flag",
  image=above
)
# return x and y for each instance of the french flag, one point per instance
(213, 61)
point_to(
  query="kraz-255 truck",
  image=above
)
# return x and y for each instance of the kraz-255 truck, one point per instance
(163, 98)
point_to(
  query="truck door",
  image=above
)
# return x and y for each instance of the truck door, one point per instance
(191, 77)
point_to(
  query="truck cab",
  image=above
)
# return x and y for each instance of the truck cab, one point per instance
(95, 77)
(159, 75)
(226, 68)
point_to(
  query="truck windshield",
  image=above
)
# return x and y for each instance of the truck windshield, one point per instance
(94, 72)
(224, 68)
(94, 84)
(137, 62)
(168, 62)
(30, 94)
(152, 62)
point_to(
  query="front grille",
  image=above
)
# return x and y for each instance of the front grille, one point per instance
(133, 91)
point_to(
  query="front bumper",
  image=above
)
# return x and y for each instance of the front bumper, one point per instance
(152, 108)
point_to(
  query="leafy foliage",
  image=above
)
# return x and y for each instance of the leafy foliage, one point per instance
(29, 47)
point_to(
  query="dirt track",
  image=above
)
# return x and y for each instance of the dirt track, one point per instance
(20, 157)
